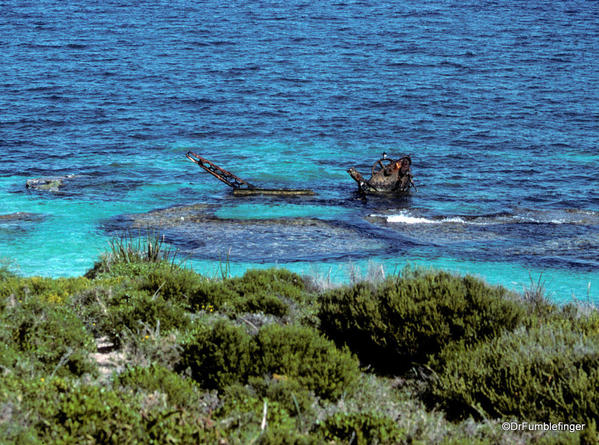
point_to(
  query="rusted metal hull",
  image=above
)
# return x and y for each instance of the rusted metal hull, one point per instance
(388, 176)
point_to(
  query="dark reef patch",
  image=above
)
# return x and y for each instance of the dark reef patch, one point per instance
(198, 233)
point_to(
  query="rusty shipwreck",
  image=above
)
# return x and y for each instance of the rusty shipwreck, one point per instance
(388, 176)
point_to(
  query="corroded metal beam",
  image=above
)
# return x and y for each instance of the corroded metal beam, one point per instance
(220, 173)
(240, 187)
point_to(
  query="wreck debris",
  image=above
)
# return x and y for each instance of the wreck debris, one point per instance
(240, 187)
(387, 176)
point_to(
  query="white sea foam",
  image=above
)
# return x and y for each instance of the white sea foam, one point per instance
(529, 216)
(406, 218)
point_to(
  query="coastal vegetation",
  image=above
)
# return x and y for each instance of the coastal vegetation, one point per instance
(143, 349)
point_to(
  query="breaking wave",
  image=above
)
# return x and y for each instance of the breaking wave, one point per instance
(406, 218)
(524, 216)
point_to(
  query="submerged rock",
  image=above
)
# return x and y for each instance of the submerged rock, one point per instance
(195, 231)
(47, 183)
(17, 224)
(171, 217)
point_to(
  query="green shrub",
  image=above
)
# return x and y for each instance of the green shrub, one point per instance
(181, 392)
(89, 414)
(548, 374)
(46, 335)
(290, 395)
(260, 302)
(257, 291)
(218, 356)
(588, 436)
(213, 293)
(224, 354)
(24, 404)
(222, 296)
(268, 291)
(411, 319)
(59, 411)
(244, 411)
(583, 319)
(90, 305)
(92, 412)
(48, 289)
(278, 282)
(134, 270)
(132, 310)
(302, 354)
(361, 429)
(171, 282)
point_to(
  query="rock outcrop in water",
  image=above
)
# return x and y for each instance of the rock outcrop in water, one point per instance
(47, 183)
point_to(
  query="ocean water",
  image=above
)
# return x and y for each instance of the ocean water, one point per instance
(496, 102)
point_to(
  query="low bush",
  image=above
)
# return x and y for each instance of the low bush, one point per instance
(172, 283)
(222, 296)
(545, 374)
(278, 282)
(290, 395)
(267, 291)
(361, 429)
(257, 291)
(48, 336)
(62, 411)
(409, 320)
(218, 356)
(48, 289)
(249, 418)
(574, 317)
(93, 412)
(302, 354)
(25, 404)
(180, 392)
(90, 414)
(224, 354)
(91, 307)
(136, 310)
(215, 293)
(259, 302)
(244, 406)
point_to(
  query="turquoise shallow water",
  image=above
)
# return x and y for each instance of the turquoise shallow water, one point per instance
(498, 105)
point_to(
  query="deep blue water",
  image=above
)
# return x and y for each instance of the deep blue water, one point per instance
(497, 103)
